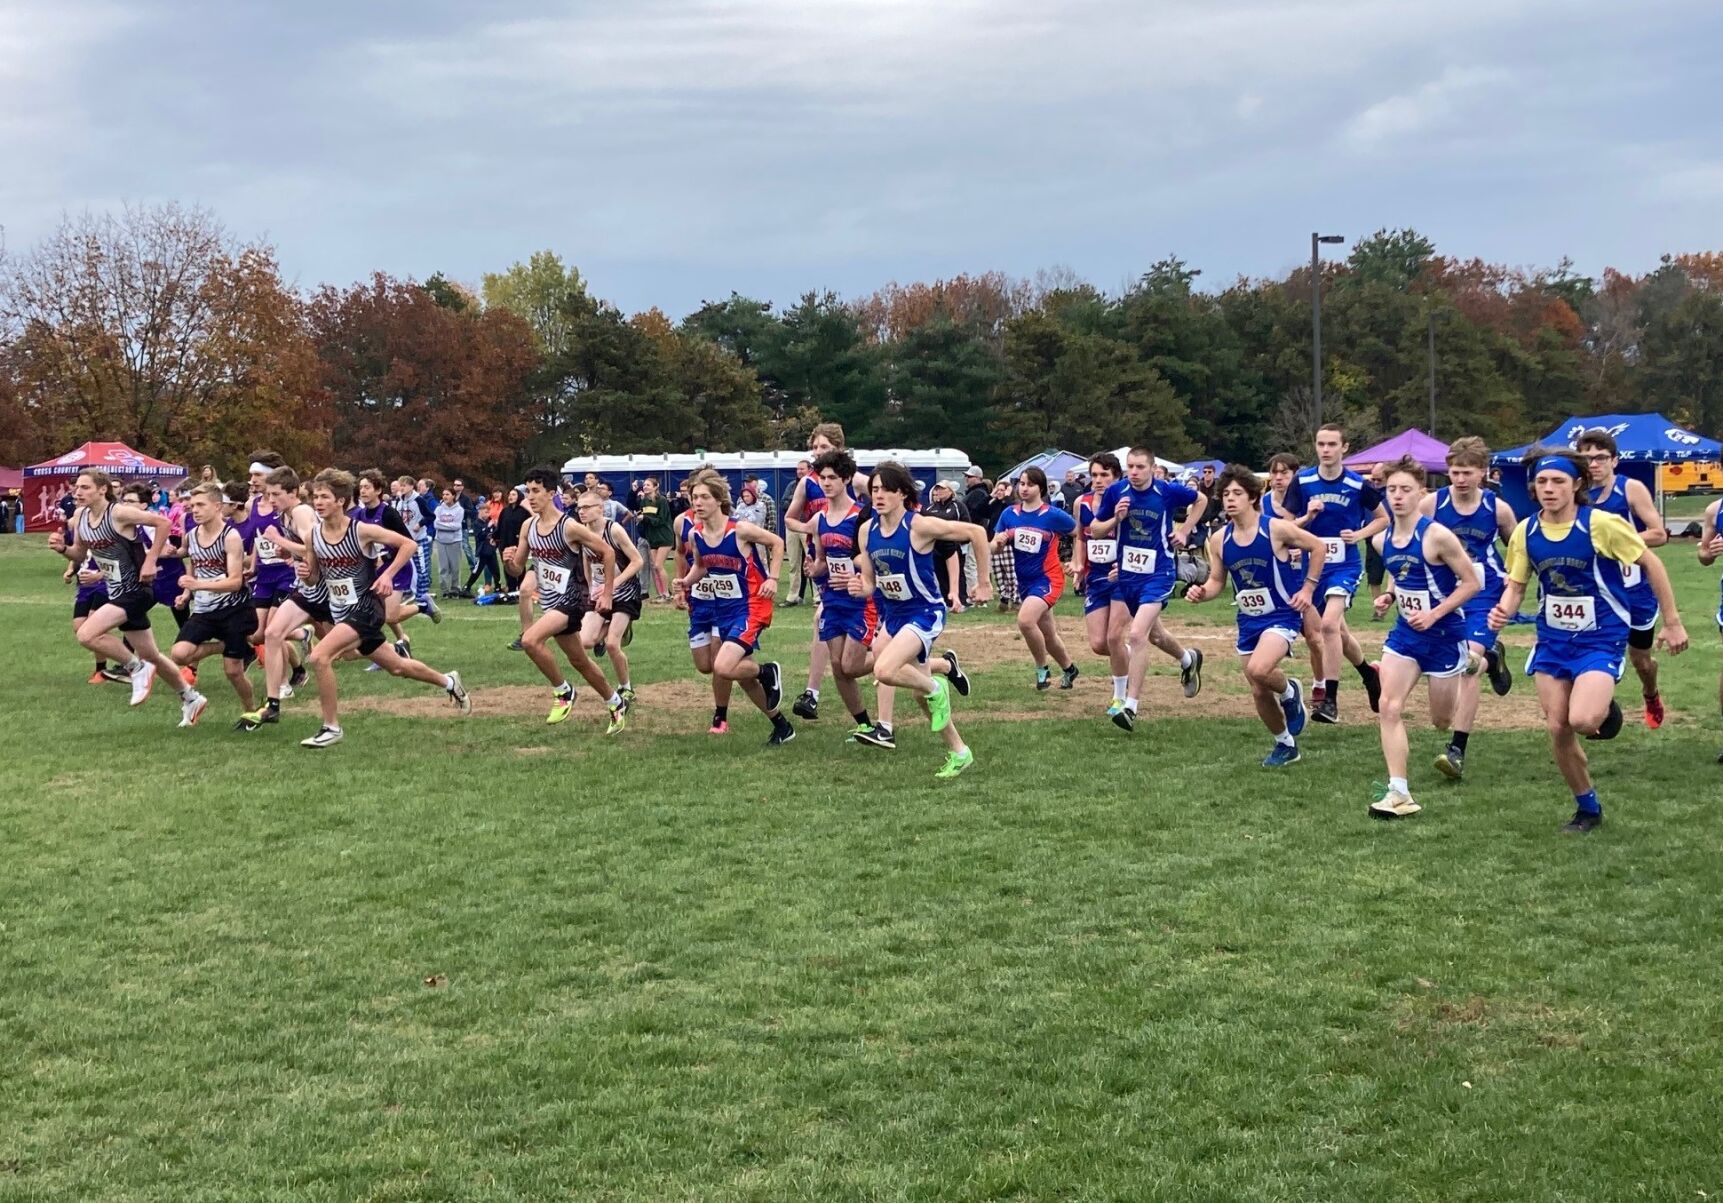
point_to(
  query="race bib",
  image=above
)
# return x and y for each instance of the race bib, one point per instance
(1254, 602)
(703, 589)
(894, 586)
(267, 553)
(727, 588)
(554, 578)
(1630, 575)
(110, 570)
(595, 574)
(1026, 539)
(1478, 569)
(1102, 551)
(344, 593)
(1140, 560)
(1412, 601)
(1334, 551)
(840, 569)
(1570, 613)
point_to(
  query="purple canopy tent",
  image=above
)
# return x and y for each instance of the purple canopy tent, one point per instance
(1431, 453)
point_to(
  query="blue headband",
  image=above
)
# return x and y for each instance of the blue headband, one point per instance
(1555, 463)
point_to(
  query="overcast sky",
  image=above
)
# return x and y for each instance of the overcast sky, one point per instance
(675, 150)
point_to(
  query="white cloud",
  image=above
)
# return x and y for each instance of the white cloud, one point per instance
(1436, 106)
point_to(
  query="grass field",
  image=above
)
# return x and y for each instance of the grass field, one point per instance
(488, 959)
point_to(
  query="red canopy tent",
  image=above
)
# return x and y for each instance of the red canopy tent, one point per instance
(11, 478)
(45, 482)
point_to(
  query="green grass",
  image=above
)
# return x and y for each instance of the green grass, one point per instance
(490, 959)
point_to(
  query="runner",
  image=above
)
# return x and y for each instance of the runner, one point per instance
(1580, 556)
(615, 631)
(1343, 510)
(895, 562)
(215, 591)
(286, 640)
(91, 595)
(556, 542)
(272, 573)
(1433, 581)
(374, 508)
(1256, 552)
(702, 628)
(846, 625)
(1282, 467)
(1479, 518)
(1630, 500)
(1710, 548)
(342, 552)
(806, 500)
(728, 553)
(1032, 529)
(108, 533)
(1095, 562)
(1144, 504)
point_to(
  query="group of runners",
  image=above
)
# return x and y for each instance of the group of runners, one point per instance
(302, 585)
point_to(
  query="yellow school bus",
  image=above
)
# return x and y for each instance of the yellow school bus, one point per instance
(1701, 477)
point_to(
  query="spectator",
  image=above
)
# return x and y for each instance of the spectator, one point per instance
(679, 503)
(66, 505)
(767, 504)
(795, 542)
(614, 510)
(658, 530)
(509, 523)
(749, 508)
(1004, 562)
(1070, 490)
(942, 503)
(976, 501)
(206, 475)
(484, 547)
(470, 516)
(450, 538)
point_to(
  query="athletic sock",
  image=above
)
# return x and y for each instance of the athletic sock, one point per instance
(614, 700)
(1398, 785)
(1285, 738)
(1588, 803)
(1186, 658)
(814, 694)
(1290, 692)
(101, 666)
(1333, 691)
(1131, 705)
(1363, 667)
(186, 693)
(720, 714)
(1458, 740)
(448, 682)
(563, 689)
(860, 717)
(1120, 684)
(272, 704)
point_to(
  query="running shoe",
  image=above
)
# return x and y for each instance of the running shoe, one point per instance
(192, 708)
(939, 706)
(1452, 763)
(955, 674)
(113, 674)
(458, 694)
(1124, 718)
(433, 611)
(373, 667)
(956, 762)
(807, 706)
(618, 718)
(1043, 679)
(1113, 707)
(1611, 723)
(404, 648)
(251, 720)
(627, 692)
(1293, 709)
(143, 678)
(772, 681)
(1393, 804)
(326, 737)
(561, 706)
(517, 645)
(1372, 674)
(1654, 711)
(188, 674)
(98, 677)
(1327, 711)
(782, 734)
(1281, 756)
(1192, 678)
(861, 730)
(877, 736)
(295, 680)
(719, 727)
(287, 690)
(1068, 678)
(1583, 822)
(598, 650)
(1501, 676)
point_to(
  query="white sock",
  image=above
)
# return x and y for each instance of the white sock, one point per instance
(1131, 705)
(615, 699)
(1290, 692)
(134, 664)
(448, 681)
(563, 689)
(187, 693)
(1186, 658)
(624, 685)
(1285, 737)
(814, 694)
(1120, 684)
(1398, 785)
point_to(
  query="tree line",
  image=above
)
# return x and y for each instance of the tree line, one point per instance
(157, 326)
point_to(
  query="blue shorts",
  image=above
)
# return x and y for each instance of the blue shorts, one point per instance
(1339, 579)
(1642, 609)
(702, 624)
(1134, 591)
(1098, 591)
(1046, 589)
(1436, 655)
(1287, 627)
(742, 622)
(1569, 662)
(852, 618)
(928, 622)
(1478, 619)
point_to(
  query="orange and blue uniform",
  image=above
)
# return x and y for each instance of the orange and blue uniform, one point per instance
(1035, 550)
(738, 613)
(841, 614)
(1102, 555)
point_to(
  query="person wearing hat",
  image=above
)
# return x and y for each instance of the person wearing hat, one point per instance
(977, 501)
(943, 503)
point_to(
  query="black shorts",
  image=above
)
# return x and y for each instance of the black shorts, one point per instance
(573, 606)
(137, 608)
(83, 607)
(316, 611)
(368, 622)
(1642, 640)
(656, 541)
(626, 605)
(230, 626)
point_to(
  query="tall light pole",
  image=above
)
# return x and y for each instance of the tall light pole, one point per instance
(1316, 316)
(1430, 309)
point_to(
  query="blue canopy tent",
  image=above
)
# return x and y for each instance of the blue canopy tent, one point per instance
(1054, 462)
(1197, 465)
(1644, 441)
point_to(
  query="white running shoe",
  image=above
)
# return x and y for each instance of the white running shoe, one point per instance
(191, 707)
(326, 737)
(142, 678)
(286, 691)
(458, 694)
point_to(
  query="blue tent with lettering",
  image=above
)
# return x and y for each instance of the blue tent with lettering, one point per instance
(1644, 441)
